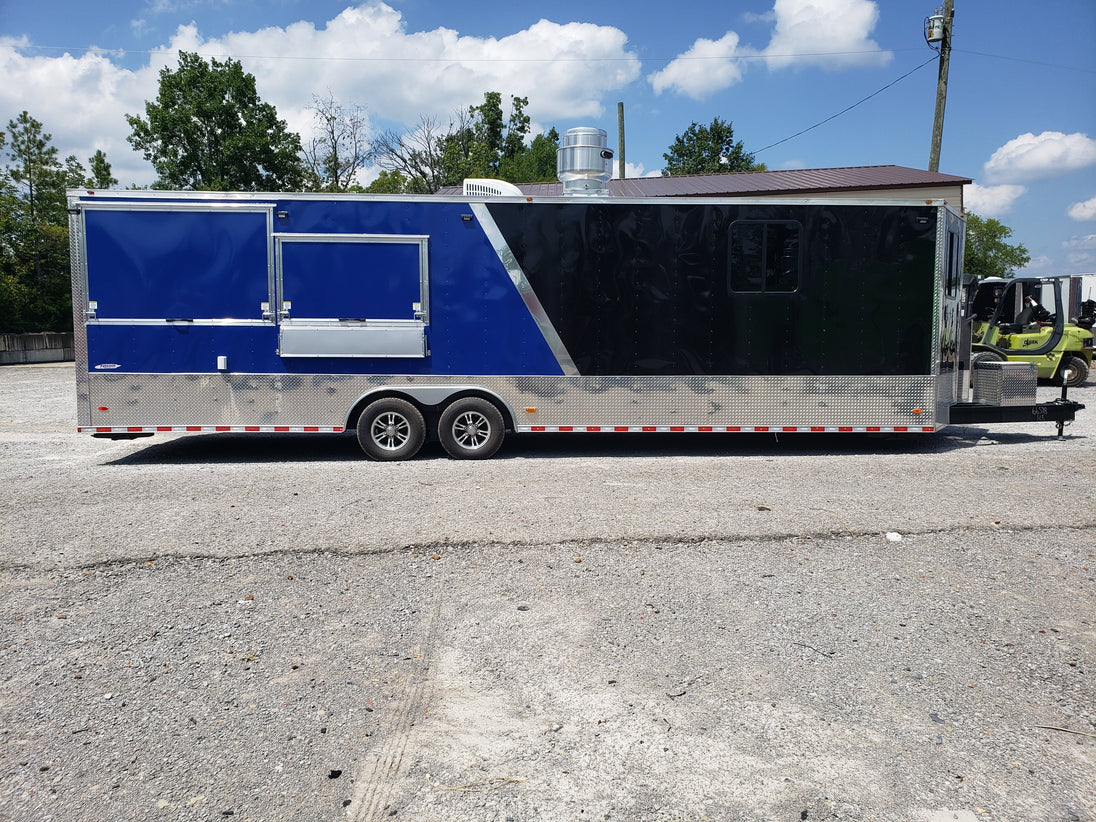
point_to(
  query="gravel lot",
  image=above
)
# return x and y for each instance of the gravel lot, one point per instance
(682, 627)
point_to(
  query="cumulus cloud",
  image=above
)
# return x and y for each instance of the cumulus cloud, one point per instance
(991, 201)
(1082, 261)
(370, 56)
(708, 66)
(1083, 211)
(1081, 252)
(1087, 242)
(365, 55)
(635, 170)
(830, 34)
(81, 101)
(1037, 264)
(1032, 157)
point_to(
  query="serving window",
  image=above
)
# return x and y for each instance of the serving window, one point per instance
(765, 256)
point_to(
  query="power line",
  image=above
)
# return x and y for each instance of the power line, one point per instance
(744, 57)
(1012, 59)
(170, 52)
(850, 108)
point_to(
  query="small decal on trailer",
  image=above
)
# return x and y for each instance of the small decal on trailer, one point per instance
(107, 366)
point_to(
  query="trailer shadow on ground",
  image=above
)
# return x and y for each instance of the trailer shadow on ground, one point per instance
(305, 448)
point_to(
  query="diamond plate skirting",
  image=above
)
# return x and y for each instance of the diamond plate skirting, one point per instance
(328, 400)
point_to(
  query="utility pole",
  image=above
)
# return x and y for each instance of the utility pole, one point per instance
(620, 131)
(935, 33)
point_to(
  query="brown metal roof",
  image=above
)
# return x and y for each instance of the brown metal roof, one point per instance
(798, 181)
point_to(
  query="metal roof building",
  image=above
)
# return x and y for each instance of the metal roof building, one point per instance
(857, 181)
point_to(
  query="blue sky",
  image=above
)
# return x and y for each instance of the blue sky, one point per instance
(1021, 113)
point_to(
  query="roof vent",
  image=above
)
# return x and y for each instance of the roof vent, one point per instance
(584, 164)
(477, 187)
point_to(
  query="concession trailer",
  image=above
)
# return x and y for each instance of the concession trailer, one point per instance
(466, 316)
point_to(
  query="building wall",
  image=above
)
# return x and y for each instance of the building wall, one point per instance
(952, 195)
(17, 349)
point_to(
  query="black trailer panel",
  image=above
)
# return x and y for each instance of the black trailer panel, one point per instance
(722, 289)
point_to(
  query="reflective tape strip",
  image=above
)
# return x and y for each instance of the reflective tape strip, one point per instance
(749, 429)
(550, 429)
(209, 429)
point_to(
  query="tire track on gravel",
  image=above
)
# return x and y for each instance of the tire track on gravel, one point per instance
(377, 781)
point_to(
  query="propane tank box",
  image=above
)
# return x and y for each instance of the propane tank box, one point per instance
(1004, 383)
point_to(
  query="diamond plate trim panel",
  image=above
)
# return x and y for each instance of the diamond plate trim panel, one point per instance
(326, 400)
(78, 262)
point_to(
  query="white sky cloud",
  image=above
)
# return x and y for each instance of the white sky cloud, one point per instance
(635, 170)
(1083, 211)
(369, 58)
(708, 66)
(1082, 260)
(1037, 264)
(830, 34)
(1087, 242)
(82, 101)
(1032, 157)
(991, 201)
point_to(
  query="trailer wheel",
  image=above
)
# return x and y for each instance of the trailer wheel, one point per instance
(391, 429)
(471, 429)
(1074, 370)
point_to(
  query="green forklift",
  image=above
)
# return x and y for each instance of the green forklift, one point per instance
(1024, 320)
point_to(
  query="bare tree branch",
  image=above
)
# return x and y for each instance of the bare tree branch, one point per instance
(339, 148)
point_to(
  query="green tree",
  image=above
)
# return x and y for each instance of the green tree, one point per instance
(487, 127)
(472, 146)
(535, 163)
(413, 157)
(101, 176)
(479, 142)
(708, 150)
(75, 175)
(489, 144)
(987, 253)
(35, 168)
(35, 281)
(389, 182)
(517, 129)
(208, 129)
(14, 294)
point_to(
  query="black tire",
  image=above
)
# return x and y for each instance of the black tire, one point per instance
(391, 429)
(471, 429)
(1074, 370)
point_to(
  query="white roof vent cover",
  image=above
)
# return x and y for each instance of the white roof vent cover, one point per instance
(479, 187)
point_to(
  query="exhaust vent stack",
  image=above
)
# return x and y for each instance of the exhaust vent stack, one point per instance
(584, 162)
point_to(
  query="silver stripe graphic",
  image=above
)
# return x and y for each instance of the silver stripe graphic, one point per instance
(184, 322)
(536, 310)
